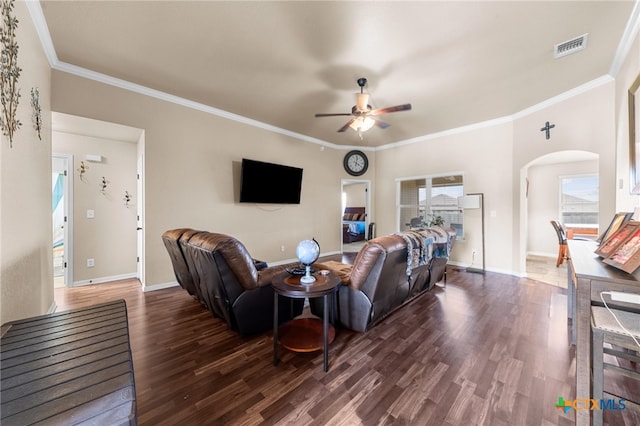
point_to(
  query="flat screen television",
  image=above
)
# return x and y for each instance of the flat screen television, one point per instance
(270, 183)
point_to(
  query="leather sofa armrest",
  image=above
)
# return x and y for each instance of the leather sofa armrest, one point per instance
(266, 275)
(342, 270)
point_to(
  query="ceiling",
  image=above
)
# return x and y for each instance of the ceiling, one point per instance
(279, 63)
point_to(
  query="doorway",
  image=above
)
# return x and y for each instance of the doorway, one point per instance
(105, 247)
(61, 196)
(543, 200)
(356, 197)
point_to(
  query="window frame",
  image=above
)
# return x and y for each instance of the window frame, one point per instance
(561, 203)
(426, 207)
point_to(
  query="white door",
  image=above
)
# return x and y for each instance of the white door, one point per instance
(365, 185)
(140, 221)
(61, 195)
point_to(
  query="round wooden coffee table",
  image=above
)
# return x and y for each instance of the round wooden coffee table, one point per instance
(304, 334)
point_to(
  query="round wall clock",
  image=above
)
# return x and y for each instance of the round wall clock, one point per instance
(356, 163)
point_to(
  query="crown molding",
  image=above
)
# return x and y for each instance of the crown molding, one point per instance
(628, 37)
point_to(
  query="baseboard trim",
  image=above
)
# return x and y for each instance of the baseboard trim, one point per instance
(52, 308)
(161, 286)
(102, 280)
(542, 254)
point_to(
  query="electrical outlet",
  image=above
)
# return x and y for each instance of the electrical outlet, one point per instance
(625, 297)
(90, 263)
(282, 249)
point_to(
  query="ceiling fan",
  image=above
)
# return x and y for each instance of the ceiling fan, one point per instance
(363, 115)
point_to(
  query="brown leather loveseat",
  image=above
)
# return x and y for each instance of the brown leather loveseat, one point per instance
(385, 275)
(219, 272)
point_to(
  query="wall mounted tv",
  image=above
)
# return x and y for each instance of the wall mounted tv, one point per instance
(269, 183)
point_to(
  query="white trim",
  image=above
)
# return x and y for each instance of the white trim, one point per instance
(542, 254)
(161, 286)
(101, 280)
(583, 88)
(626, 42)
(52, 308)
(40, 23)
(449, 132)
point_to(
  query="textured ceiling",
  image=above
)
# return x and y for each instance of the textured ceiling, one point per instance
(457, 63)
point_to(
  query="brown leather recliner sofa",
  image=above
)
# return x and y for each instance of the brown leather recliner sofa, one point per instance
(384, 276)
(219, 272)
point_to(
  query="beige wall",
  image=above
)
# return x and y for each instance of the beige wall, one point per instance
(110, 237)
(483, 156)
(26, 274)
(491, 160)
(356, 194)
(584, 122)
(191, 163)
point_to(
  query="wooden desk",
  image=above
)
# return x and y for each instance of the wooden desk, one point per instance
(69, 367)
(588, 276)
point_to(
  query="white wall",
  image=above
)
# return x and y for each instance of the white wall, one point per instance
(544, 203)
(26, 273)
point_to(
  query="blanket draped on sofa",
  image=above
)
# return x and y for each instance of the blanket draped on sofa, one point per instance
(424, 244)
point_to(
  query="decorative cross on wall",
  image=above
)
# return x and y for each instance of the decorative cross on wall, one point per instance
(547, 128)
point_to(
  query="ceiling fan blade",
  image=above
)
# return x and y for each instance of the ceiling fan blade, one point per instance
(404, 107)
(346, 126)
(333, 115)
(381, 124)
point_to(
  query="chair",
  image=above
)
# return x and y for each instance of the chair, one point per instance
(171, 241)
(227, 280)
(562, 242)
(372, 231)
(605, 329)
(415, 223)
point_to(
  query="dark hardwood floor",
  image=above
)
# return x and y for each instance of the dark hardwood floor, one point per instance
(487, 349)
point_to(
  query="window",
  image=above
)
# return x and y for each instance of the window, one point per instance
(579, 207)
(422, 199)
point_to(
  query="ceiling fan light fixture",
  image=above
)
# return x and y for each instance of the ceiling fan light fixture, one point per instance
(362, 102)
(362, 124)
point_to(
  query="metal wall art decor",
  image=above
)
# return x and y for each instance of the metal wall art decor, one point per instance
(9, 72)
(37, 112)
(547, 129)
(82, 170)
(103, 185)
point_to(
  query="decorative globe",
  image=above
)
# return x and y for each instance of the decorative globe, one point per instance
(308, 251)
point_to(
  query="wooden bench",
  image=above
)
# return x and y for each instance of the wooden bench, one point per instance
(72, 367)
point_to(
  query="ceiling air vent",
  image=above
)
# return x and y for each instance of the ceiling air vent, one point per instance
(571, 46)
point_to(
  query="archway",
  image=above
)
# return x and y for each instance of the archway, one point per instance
(540, 183)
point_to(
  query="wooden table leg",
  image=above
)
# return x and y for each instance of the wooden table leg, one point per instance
(275, 328)
(571, 301)
(325, 324)
(582, 320)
